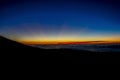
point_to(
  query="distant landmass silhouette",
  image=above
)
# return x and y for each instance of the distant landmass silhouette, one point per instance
(17, 53)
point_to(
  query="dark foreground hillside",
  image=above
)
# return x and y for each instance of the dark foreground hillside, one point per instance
(16, 53)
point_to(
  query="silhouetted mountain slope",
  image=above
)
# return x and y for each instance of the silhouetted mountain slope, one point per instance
(17, 53)
(6, 43)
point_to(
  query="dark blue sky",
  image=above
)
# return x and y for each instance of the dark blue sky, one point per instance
(25, 19)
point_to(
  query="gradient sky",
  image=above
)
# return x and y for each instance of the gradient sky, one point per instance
(60, 20)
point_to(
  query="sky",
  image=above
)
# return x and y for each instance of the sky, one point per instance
(60, 20)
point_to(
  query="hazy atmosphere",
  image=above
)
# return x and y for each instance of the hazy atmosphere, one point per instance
(40, 21)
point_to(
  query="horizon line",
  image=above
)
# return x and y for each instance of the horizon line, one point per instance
(70, 42)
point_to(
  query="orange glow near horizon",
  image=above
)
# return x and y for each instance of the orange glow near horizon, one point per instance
(66, 40)
(89, 42)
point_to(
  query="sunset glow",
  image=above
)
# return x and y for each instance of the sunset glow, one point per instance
(60, 21)
(87, 40)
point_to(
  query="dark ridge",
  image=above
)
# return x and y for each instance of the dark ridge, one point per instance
(17, 53)
(6, 43)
